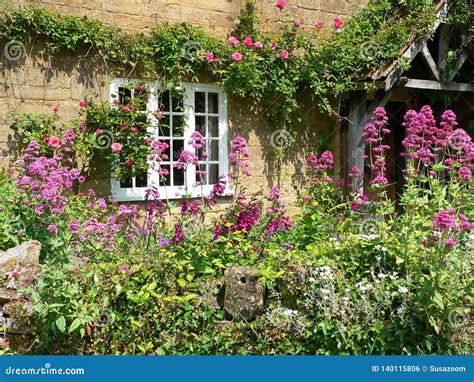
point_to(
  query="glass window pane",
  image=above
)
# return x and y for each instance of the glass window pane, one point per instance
(177, 102)
(141, 180)
(126, 183)
(200, 102)
(178, 177)
(214, 126)
(213, 103)
(167, 152)
(163, 127)
(201, 177)
(165, 180)
(164, 101)
(141, 98)
(214, 150)
(178, 146)
(200, 122)
(125, 95)
(178, 126)
(213, 173)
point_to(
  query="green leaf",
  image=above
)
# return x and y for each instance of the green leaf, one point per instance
(61, 324)
(75, 324)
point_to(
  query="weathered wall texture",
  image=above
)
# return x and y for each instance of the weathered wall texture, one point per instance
(36, 83)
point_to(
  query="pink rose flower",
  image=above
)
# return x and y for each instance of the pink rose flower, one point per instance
(210, 57)
(116, 147)
(233, 41)
(318, 24)
(297, 23)
(272, 45)
(83, 103)
(137, 88)
(56, 109)
(99, 132)
(54, 142)
(258, 45)
(337, 23)
(248, 42)
(284, 54)
(236, 56)
(280, 4)
(81, 127)
(126, 108)
(115, 101)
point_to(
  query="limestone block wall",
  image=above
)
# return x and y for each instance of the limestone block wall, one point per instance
(37, 83)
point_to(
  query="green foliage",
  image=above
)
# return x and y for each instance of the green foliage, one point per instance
(174, 53)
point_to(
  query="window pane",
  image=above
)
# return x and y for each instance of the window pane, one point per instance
(200, 102)
(164, 101)
(213, 103)
(177, 102)
(178, 126)
(125, 95)
(213, 173)
(178, 179)
(214, 150)
(165, 180)
(163, 127)
(201, 177)
(126, 183)
(201, 124)
(141, 180)
(214, 126)
(178, 146)
(167, 152)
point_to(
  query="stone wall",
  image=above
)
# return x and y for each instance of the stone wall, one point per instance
(37, 83)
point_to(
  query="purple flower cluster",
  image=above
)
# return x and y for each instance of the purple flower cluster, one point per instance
(449, 220)
(197, 141)
(45, 180)
(278, 216)
(185, 159)
(317, 168)
(238, 155)
(373, 134)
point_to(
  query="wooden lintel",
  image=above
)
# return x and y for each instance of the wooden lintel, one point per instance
(435, 85)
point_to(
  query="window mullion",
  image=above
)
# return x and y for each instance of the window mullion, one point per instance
(188, 105)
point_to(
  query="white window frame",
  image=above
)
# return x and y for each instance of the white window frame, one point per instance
(176, 192)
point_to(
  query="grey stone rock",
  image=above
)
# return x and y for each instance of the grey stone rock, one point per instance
(244, 294)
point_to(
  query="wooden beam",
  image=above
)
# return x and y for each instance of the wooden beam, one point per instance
(435, 85)
(458, 64)
(357, 110)
(443, 46)
(431, 63)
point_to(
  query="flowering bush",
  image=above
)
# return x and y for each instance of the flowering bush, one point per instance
(347, 275)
